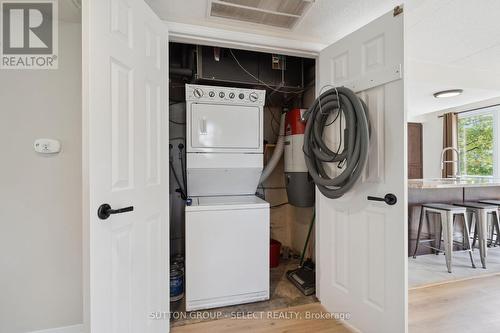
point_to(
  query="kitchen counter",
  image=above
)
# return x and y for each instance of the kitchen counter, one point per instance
(436, 183)
(444, 190)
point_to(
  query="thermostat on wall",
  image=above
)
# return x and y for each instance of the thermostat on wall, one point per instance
(47, 146)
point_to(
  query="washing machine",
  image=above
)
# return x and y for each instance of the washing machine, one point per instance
(227, 226)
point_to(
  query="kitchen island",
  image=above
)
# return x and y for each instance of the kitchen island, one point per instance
(449, 183)
(444, 190)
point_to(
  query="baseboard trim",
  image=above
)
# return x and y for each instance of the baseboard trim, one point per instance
(66, 329)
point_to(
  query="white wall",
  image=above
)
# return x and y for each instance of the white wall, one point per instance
(40, 196)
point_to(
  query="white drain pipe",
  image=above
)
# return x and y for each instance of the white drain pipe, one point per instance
(278, 151)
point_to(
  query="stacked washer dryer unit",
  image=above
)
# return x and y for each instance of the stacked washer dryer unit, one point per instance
(227, 226)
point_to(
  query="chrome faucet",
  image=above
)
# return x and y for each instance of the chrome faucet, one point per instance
(457, 161)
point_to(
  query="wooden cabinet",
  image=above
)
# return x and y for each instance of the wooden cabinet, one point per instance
(415, 159)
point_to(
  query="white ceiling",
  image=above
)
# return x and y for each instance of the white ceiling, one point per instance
(325, 22)
(456, 32)
(450, 43)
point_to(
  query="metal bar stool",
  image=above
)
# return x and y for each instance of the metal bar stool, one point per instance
(447, 215)
(480, 213)
(495, 221)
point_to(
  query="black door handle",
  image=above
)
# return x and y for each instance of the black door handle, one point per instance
(105, 211)
(389, 199)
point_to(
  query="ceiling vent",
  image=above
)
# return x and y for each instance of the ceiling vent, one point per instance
(276, 13)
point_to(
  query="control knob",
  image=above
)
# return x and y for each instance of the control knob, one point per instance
(221, 94)
(231, 95)
(253, 97)
(241, 95)
(211, 94)
(198, 93)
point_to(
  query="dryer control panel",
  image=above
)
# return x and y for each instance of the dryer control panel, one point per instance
(225, 95)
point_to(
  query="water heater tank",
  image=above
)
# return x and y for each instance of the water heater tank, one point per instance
(299, 184)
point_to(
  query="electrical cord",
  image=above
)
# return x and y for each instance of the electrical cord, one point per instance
(259, 80)
(183, 192)
(339, 103)
(273, 120)
(307, 239)
(183, 165)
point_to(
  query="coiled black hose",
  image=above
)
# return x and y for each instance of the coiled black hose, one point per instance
(338, 103)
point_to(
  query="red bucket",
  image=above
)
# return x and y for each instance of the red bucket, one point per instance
(274, 253)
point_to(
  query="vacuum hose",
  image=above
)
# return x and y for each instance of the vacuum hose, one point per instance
(337, 103)
(278, 151)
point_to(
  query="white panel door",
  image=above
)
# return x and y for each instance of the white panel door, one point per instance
(362, 244)
(125, 154)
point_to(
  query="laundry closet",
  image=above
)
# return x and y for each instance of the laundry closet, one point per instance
(241, 200)
(165, 187)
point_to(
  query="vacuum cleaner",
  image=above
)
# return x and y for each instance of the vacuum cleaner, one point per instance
(304, 277)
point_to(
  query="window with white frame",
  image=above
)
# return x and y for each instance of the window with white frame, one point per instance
(478, 142)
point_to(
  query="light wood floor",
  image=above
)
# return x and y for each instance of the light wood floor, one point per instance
(269, 325)
(467, 306)
(430, 269)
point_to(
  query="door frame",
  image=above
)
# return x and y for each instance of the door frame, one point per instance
(190, 34)
(185, 36)
(183, 33)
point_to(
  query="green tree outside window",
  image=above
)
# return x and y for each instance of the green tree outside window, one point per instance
(475, 142)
